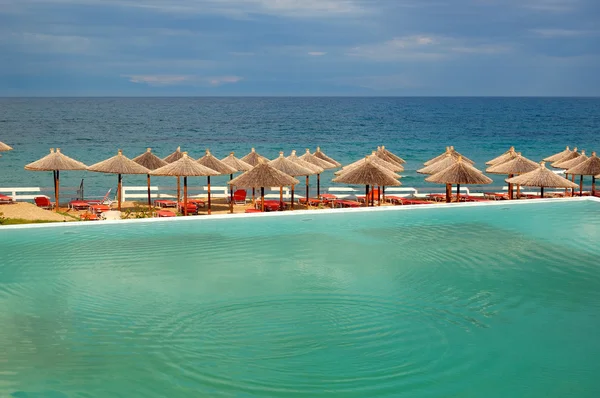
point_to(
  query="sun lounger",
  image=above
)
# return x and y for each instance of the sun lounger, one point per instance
(5, 199)
(78, 205)
(43, 202)
(191, 208)
(99, 209)
(471, 198)
(197, 202)
(271, 205)
(346, 203)
(495, 195)
(239, 197)
(165, 203)
(165, 213)
(89, 217)
(397, 200)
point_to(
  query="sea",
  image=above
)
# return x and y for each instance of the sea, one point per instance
(346, 128)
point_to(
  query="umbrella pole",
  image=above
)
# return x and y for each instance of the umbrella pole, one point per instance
(230, 195)
(292, 203)
(378, 195)
(580, 184)
(510, 188)
(307, 192)
(566, 189)
(572, 180)
(185, 207)
(208, 178)
(542, 192)
(119, 193)
(448, 193)
(367, 196)
(149, 197)
(57, 188)
(253, 197)
(458, 192)
(280, 198)
(318, 186)
(593, 185)
(178, 189)
(383, 193)
(262, 199)
(518, 191)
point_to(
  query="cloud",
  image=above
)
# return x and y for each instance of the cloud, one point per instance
(553, 33)
(178, 80)
(316, 53)
(423, 47)
(288, 8)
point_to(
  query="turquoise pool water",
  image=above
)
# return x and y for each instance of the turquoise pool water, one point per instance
(497, 301)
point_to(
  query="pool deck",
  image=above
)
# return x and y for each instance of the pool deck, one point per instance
(217, 217)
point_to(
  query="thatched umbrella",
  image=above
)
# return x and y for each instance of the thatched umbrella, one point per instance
(451, 151)
(212, 162)
(151, 162)
(290, 168)
(318, 153)
(569, 156)
(368, 173)
(390, 155)
(184, 167)
(506, 156)
(571, 163)
(313, 168)
(384, 156)
(312, 159)
(518, 165)
(377, 158)
(253, 159)
(4, 147)
(589, 167)
(238, 165)
(558, 156)
(120, 165)
(261, 176)
(438, 166)
(55, 162)
(542, 177)
(459, 173)
(175, 156)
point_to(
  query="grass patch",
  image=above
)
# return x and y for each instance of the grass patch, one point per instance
(18, 221)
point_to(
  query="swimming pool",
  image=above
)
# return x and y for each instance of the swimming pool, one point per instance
(469, 301)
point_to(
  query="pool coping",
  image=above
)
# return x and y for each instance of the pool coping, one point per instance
(216, 217)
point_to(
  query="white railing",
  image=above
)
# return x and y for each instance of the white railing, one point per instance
(170, 192)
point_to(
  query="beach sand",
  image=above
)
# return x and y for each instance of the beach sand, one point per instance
(29, 211)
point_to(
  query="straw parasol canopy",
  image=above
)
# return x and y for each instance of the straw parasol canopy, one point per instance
(290, 168)
(310, 158)
(459, 173)
(175, 156)
(568, 164)
(393, 167)
(4, 147)
(506, 156)
(453, 152)
(237, 164)
(253, 158)
(384, 156)
(558, 156)
(589, 167)
(438, 166)
(313, 168)
(571, 155)
(368, 173)
(318, 153)
(261, 176)
(542, 177)
(185, 167)
(212, 162)
(151, 162)
(390, 155)
(518, 165)
(56, 162)
(120, 165)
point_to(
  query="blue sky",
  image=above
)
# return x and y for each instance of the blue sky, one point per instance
(299, 47)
